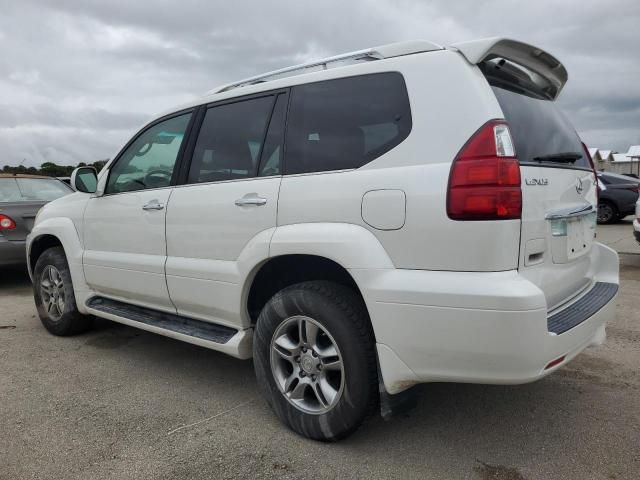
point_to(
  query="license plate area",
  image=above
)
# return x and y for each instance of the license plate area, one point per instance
(572, 237)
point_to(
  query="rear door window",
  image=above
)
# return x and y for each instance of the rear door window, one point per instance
(346, 123)
(540, 130)
(271, 160)
(230, 141)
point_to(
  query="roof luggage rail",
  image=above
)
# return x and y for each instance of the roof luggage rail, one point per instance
(369, 54)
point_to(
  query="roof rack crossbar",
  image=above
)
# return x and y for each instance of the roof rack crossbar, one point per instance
(365, 55)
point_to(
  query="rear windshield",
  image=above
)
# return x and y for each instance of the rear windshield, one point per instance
(612, 179)
(31, 189)
(540, 130)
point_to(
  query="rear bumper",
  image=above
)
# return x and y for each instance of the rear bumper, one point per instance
(473, 327)
(12, 252)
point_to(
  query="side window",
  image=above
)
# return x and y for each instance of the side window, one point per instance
(149, 161)
(271, 160)
(230, 141)
(346, 123)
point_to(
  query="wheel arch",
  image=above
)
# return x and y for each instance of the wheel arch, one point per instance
(38, 245)
(281, 271)
(312, 251)
(60, 231)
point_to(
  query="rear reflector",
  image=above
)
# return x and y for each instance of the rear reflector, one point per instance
(555, 362)
(6, 223)
(484, 183)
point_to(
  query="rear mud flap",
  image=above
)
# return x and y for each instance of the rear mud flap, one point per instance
(393, 405)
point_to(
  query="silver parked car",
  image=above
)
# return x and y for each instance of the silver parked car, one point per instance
(21, 196)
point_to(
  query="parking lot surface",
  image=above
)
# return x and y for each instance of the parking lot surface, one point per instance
(121, 403)
(620, 236)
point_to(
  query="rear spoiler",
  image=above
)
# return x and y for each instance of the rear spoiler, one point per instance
(552, 74)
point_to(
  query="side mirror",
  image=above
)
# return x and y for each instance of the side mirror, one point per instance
(84, 179)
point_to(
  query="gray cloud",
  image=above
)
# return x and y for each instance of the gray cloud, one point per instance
(78, 77)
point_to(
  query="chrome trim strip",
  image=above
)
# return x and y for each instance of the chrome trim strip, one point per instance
(570, 212)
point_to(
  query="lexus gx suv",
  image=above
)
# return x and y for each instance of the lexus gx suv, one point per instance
(404, 214)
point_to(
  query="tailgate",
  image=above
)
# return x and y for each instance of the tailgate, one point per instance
(558, 230)
(559, 190)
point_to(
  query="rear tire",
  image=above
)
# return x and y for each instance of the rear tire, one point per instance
(607, 213)
(54, 297)
(314, 358)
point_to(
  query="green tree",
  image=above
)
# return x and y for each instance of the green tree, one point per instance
(52, 169)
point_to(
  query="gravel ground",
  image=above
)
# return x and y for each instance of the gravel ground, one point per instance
(121, 403)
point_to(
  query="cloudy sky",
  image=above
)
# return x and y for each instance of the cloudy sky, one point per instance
(77, 78)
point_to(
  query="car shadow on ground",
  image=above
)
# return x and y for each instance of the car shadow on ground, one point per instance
(14, 277)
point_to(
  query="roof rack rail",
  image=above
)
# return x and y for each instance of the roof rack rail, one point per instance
(369, 54)
(361, 55)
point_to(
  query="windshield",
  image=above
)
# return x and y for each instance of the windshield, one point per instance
(541, 133)
(31, 189)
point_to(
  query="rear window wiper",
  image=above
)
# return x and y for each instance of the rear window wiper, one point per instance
(564, 157)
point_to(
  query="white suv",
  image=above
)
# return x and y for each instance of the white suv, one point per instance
(358, 225)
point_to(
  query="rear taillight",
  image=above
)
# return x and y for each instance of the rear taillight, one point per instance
(595, 173)
(484, 183)
(6, 223)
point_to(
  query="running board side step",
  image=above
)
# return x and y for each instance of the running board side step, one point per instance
(210, 335)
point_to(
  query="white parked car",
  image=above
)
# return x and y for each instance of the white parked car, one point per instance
(357, 225)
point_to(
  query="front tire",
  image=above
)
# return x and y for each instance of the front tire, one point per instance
(54, 297)
(314, 357)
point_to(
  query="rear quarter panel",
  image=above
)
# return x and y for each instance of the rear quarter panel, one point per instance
(450, 100)
(623, 198)
(24, 214)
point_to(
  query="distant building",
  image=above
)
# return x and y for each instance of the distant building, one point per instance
(623, 163)
(597, 158)
(606, 155)
(634, 152)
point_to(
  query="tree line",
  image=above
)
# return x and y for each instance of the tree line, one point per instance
(51, 169)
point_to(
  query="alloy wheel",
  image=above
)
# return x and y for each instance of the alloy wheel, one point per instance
(307, 365)
(52, 292)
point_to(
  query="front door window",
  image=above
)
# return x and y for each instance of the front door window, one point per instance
(150, 160)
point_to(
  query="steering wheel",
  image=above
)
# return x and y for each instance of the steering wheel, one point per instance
(157, 178)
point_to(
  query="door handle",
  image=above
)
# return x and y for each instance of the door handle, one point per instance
(153, 205)
(245, 201)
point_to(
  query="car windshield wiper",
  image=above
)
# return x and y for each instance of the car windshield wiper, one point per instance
(564, 157)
